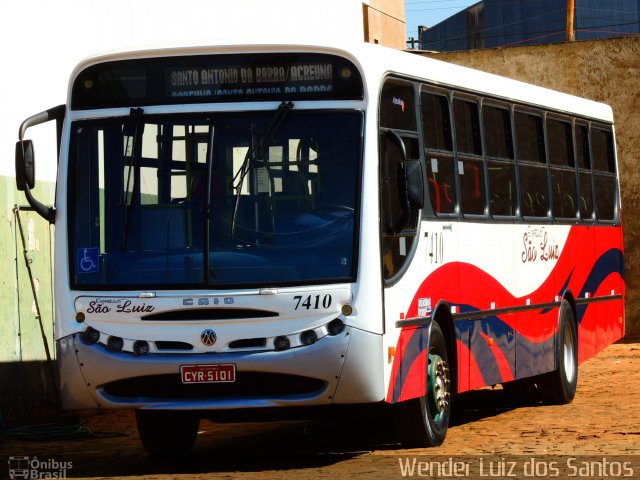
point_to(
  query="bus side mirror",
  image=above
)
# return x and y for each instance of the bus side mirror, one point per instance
(25, 165)
(415, 182)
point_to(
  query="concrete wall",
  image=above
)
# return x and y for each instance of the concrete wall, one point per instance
(24, 376)
(604, 70)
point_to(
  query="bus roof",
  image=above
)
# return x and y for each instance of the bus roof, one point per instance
(377, 61)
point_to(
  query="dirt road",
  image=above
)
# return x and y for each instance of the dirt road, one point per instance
(490, 436)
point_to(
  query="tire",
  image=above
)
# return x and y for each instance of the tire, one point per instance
(423, 421)
(167, 433)
(559, 387)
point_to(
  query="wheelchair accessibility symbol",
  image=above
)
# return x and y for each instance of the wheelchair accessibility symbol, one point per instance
(87, 260)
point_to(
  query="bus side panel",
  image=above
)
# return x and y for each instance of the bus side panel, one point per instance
(567, 260)
(610, 276)
(586, 315)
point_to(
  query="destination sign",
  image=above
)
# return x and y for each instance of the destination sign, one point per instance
(255, 80)
(217, 78)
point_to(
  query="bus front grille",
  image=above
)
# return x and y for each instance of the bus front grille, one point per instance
(247, 384)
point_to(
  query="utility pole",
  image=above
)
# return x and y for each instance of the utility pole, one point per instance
(571, 31)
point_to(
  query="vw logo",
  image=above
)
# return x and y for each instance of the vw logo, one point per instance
(208, 337)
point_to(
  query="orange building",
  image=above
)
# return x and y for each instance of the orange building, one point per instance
(384, 22)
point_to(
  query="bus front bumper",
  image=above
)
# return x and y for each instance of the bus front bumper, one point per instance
(93, 377)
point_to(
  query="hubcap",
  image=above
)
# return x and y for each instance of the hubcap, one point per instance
(569, 354)
(438, 384)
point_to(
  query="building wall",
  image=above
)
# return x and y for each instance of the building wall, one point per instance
(384, 22)
(24, 374)
(508, 23)
(604, 70)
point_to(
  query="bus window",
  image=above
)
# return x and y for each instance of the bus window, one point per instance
(467, 127)
(471, 174)
(498, 144)
(533, 191)
(502, 191)
(399, 221)
(498, 141)
(439, 152)
(529, 137)
(604, 173)
(397, 106)
(441, 181)
(470, 170)
(532, 167)
(583, 159)
(436, 123)
(563, 177)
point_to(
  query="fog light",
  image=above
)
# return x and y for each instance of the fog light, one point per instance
(91, 335)
(281, 343)
(308, 337)
(141, 347)
(335, 327)
(115, 344)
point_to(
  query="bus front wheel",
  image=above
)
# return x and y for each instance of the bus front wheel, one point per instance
(423, 421)
(167, 433)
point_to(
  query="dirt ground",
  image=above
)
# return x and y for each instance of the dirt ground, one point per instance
(490, 434)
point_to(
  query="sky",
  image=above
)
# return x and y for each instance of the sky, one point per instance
(431, 12)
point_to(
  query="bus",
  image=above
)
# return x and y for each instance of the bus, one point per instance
(247, 229)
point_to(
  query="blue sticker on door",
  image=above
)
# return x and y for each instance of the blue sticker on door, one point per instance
(87, 260)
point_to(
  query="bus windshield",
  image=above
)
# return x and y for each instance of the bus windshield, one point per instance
(217, 200)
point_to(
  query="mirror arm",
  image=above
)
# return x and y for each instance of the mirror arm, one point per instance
(54, 113)
(48, 213)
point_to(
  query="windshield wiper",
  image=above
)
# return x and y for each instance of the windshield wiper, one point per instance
(133, 129)
(207, 209)
(238, 179)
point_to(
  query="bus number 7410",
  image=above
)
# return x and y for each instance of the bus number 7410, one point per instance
(312, 302)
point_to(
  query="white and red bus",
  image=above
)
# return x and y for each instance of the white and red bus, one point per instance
(247, 228)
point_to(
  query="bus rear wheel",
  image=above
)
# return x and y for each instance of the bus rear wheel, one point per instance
(423, 421)
(167, 433)
(559, 387)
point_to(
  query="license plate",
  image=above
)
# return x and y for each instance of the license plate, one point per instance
(219, 373)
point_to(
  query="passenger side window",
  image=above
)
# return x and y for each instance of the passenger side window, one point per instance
(532, 166)
(498, 144)
(563, 173)
(469, 151)
(604, 173)
(583, 158)
(398, 142)
(439, 152)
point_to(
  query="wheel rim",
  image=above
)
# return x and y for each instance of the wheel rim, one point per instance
(438, 386)
(569, 354)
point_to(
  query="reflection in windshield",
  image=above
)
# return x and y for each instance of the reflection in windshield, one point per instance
(291, 220)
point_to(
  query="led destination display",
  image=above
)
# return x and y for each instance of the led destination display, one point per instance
(216, 78)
